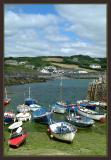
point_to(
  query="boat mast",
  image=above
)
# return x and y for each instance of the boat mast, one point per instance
(6, 93)
(61, 90)
(29, 92)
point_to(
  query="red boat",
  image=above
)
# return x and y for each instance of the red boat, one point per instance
(17, 139)
(6, 100)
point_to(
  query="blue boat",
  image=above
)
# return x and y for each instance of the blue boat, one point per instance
(42, 115)
(9, 117)
(88, 106)
(29, 100)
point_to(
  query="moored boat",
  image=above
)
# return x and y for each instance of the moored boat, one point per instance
(23, 116)
(91, 114)
(9, 117)
(80, 121)
(42, 115)
(23, 108)
(58, 108)
(6, 99)
(15, 125)
(29, 100)
(63, 131)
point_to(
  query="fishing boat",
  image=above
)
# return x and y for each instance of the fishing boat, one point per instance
(42, 115)
(17, 138)
(15, 125)
(23, 108)
(62, 131)
(91, 114)
(25, 116)
(6, 99)
(80, 121)
(29, 100)
(9, 117)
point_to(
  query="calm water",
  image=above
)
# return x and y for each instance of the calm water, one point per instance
(47, 93)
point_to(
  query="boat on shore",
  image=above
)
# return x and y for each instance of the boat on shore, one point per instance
(63, 131)
(23, 108)
(9, 117)
(80, 121)
(58, 108)
(15, 125)
(29, 100)
(23, 116)
(91, 114)
(42, 115)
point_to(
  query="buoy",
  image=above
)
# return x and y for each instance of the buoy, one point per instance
(51, 136)
(102, 120)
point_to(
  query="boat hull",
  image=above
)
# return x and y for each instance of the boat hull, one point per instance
(93, 116)
(23, 116)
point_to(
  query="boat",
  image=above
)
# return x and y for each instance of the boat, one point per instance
(23, 116)
(80, 121)
(42, 115)
(15, 125)
(29, 100)
(9, 117)
(17, 138)
(58, 108)
(62, 131)
(91, 114)
(23, 108)
(6, 99)
(34, 107)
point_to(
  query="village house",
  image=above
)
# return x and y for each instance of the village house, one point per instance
(11, 62)
(95, 66)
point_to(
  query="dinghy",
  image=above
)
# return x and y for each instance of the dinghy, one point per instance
(42, 115)
(23, 108)
(17, 138)
(23, 116)
(80, 121)
(15, 125)
(91, 114)
(63, 131)
(9, 117)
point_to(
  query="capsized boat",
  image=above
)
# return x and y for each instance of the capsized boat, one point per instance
(80, 121)
(9, 117)
(23, 108)
(63, 131)
(15, 125)
(23, 116)
(17, 138)
(42, 115)
(91, 114)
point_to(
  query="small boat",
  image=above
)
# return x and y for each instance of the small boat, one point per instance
(29, 100)
(58, 108)
(9, 117)
(6, 100)
(80, 121)
(62, 131)
(23, 116)
(42, 115)
(91, 114)
(15, 125)
(34, 107)
(23, 108)
(17, 138)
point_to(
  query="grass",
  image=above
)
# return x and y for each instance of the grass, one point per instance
(87, 142)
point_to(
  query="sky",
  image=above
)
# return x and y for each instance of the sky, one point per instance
(54, 30)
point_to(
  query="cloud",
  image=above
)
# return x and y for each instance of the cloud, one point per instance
(76, 29)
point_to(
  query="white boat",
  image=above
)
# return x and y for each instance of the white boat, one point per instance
(34, 107)
(91, 114)
(58, 109)
(23, 116)
(23, 108)
(63, 131)
(15, 125)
